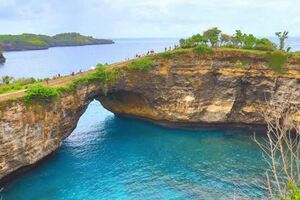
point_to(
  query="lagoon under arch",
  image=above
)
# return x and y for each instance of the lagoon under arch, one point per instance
(108, 157)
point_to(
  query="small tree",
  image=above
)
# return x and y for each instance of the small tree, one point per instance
(225, 39)
(282, 37)
(249, 41)
(238, 38)
(7, 79)
(213, 36)
(199, 39)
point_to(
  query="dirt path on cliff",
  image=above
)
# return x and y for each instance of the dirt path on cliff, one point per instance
(57, 82)
(53, 83)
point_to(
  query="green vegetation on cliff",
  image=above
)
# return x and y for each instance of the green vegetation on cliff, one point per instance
(141, 64)
(9, 85)
(40, 93)
(202, 49)
(212, 38)
(215, 38)
(101, 74)
(277, 60)
(32, 41)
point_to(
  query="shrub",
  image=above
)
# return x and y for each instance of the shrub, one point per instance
(167, 54)
(265, 44)
(141, 64)
(264, 47)
(277, 60)
(16, 85)
(41, 93)
(101, 74)
(188, 43)
(203, 49)
(170, 54)
(293, 193)
(7, 79)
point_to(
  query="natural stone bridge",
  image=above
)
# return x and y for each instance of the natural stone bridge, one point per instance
(184, 90)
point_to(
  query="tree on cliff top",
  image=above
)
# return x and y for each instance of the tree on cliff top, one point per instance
(225, 39)
(7, 79)
(282, 37)
(213, 36)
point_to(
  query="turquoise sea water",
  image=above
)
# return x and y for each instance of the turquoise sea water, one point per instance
(107, 157)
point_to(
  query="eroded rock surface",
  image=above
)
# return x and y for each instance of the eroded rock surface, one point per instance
(195, 91)
(29, 133)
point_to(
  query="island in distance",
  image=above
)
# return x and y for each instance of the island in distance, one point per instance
(37, 42)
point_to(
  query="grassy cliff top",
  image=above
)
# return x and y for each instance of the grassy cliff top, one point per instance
(32, 41)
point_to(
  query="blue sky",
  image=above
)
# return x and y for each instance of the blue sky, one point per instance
(148, 18)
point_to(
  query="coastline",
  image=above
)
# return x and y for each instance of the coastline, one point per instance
(54, 46)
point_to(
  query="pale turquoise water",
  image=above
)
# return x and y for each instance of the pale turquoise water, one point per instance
(116, 158)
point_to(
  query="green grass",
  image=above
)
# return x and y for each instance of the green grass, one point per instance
(277, 61)
(40, 93)
(202, 49)
(102, 74)
(17, 85)
(171, 54)
(141, 64)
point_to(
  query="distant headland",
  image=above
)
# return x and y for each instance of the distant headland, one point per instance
(37, 42)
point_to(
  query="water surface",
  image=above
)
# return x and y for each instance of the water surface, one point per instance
(65, 60)
(116, 158)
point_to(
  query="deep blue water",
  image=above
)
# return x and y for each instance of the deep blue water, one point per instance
(117, 158)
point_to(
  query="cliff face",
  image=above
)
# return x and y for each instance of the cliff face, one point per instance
(225, 88)
(222, 89)
(29, 133)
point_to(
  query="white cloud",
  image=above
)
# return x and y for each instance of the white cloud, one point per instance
(146, 18)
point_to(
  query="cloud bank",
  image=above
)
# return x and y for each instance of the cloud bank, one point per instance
(148, 18)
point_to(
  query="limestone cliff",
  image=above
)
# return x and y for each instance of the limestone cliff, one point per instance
(185, 89)
(29, 133)
(226, 88)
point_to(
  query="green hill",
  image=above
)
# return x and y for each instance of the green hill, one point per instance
(35, 42)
